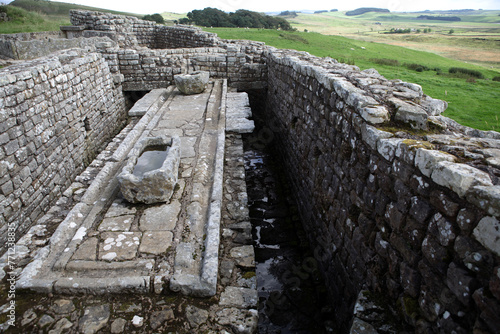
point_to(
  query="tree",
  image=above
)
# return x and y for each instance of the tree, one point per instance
(212, 17)
(155, 18)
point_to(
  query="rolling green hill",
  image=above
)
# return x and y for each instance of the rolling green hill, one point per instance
(60, 9)
(472, 102)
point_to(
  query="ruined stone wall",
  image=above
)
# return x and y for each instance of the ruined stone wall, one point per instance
(388, 210)
(22, 48)
(55, 114)
(131, 31)
(146, 69)
(8, 41)
(181, 36)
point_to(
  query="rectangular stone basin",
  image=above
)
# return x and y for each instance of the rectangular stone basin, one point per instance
(151, 171)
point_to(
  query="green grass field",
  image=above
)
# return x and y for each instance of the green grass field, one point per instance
(472, 104)
(475, 39)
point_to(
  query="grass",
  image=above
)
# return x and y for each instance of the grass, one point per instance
(471, 104)
(60, 9)
(476, 37)
(22, 20)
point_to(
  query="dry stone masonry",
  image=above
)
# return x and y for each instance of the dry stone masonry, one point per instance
(401, 204)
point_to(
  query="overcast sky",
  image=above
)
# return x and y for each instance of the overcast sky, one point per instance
(184, 6)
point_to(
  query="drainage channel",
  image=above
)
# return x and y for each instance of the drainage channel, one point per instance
(292, 296)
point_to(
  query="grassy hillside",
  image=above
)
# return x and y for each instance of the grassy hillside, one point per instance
(471, 103)
(60, 10)
(475, 39)
(22, 20)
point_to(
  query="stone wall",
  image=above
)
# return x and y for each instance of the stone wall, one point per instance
(55, 114)
(396, 199)
(145, 69)
(387, 208)
(8, 41)
(131, 31)
(19, 46)
(181, 36)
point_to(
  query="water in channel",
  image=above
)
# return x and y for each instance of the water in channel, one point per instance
(292, 297)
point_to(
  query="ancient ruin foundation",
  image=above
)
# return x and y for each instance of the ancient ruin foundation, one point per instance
(396, 199)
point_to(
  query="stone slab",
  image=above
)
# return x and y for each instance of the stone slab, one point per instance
(156, 242)
(161, 217)
(120, 223)
(119, 246)
(87, 250)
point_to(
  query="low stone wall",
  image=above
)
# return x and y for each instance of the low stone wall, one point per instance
(396, 199)
(8, 41)
(26, 49)
(146, 69)
(131, 31)
(56, 113)
(388, 211)
(181, 36)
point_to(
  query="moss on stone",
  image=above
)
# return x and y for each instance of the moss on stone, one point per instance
(414, 145)
(249, 274)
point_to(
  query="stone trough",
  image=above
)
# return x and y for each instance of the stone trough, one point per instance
(192, 83)
(151, 172)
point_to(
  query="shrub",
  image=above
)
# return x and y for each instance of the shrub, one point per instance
(417, 67)
(466, 71)
(155, 18)
(385, 61)
(295, 38)
(496, 78)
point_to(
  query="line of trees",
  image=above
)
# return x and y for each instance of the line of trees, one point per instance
(213, 17)
(439, 18)
(364, 10)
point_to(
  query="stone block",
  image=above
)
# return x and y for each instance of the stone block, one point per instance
(459, 177)
(239, 297)
(487, 198)
(487, 232)
(192, 83)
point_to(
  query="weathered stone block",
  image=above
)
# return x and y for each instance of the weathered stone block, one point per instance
(487, 233)
(459, 177)
(192, 83)
(426, 160)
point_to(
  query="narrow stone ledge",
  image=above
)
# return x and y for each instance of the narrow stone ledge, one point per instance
(371, 135)
(459, 177)
(387, 147)
(375, 115)
(427, 160)
(410, 114)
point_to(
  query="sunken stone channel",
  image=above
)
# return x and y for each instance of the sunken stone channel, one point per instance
(150, 174)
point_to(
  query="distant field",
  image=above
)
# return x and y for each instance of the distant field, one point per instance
(475, 39)
(475, 104)
(472, 102)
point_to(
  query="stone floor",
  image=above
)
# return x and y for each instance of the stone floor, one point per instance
(114, 271)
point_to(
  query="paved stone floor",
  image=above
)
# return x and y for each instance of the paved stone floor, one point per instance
(114, 273)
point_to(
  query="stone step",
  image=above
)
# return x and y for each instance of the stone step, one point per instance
(238, 113)
(152, 100)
